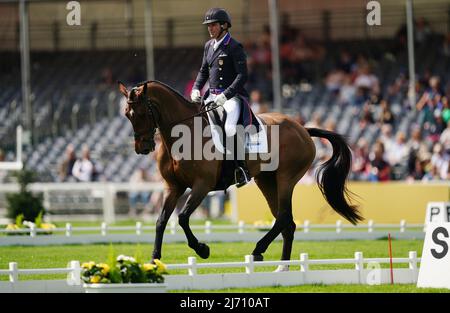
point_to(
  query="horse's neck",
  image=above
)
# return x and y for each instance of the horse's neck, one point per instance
(174, 110)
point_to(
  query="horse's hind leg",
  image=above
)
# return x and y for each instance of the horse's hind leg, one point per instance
(197, 195)
(280, 202)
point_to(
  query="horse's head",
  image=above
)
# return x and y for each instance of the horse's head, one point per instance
(141, 113)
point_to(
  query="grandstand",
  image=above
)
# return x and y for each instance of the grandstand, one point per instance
(75, 100)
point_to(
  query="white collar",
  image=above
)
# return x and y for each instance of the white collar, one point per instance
(217, 43)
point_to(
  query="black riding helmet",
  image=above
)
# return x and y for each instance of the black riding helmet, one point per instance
(214, 15)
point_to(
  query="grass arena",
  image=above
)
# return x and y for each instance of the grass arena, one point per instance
(275, 146)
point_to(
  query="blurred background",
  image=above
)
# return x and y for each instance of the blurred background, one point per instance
(327, 68)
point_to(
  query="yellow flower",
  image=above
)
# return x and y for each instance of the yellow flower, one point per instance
(161, 267)
(95, 279)
(47, 226)
(11, 227)
(149, 267)
(105, 268)
(88, 265)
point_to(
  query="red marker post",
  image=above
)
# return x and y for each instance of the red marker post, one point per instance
(390, 258)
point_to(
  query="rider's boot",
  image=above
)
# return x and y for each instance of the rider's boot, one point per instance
(241, 174)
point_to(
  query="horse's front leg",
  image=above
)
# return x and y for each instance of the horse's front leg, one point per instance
(169, 205)
(197, 195)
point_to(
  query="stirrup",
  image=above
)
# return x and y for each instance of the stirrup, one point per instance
(244, 173)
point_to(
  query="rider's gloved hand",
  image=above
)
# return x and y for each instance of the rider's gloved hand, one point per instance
(220, 99)
(195, 95)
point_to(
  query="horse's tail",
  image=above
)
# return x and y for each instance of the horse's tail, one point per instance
(332, 175)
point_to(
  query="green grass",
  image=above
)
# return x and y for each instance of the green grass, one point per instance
(404, 288)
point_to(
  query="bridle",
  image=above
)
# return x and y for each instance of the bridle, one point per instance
(152, 111)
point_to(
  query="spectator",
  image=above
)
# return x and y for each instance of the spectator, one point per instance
(445, 138)
(360, 160)
(440, 160)
(386, 136)
(138, 177)
(366, 82)
(65, 168)
(397, 156)
(445, 110)
(417, 150)
(83, 169)
(256, 101)
(3, 173)
(378, 169)
(419, 171)
(386, 116)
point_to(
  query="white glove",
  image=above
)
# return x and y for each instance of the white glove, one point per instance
(195, 95)
(220, 99)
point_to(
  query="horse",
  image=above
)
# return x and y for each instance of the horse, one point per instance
(154, 105)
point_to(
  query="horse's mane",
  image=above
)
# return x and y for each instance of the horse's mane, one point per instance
(176, 92)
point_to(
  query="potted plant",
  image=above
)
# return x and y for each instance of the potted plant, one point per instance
(125, 275)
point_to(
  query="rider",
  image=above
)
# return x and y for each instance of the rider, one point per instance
(225, 65)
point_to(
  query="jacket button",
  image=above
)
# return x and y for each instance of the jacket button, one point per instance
(220, 68)
(221, 78)
(220, 86)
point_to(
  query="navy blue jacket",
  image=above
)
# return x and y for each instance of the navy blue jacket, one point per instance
(226, 68)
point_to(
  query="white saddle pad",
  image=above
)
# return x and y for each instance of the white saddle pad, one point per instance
(254, 143)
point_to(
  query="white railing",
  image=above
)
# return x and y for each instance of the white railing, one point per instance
(209, 228)
(373, 274)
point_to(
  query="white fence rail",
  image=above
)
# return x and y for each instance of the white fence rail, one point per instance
(209, 228)
(208, 232)
(372, 274)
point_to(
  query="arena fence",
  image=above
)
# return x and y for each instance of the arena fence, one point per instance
(207, 232)
(365, 271)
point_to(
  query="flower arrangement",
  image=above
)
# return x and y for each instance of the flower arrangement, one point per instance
(124, 270)
(21, 224)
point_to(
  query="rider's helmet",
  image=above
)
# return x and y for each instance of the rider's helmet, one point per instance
(214, 15)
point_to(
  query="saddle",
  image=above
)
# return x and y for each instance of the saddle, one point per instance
(216, 118)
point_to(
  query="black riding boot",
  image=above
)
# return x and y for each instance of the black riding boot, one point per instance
(241, 173)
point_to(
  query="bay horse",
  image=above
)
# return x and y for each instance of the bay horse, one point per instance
(152, 105)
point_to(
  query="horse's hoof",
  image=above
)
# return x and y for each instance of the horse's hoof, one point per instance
(202, 250)
(258, 257)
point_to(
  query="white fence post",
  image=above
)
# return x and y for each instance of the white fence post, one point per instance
(14, 273)
(413, 265)
(173, 227)
(402, 226)
(104, 229)
(68, 229)
(249, 265)
(370, 226)
(74, 278)
(338, 226)
(138, 228)
(32, 230)
(359, 266)
(306, 226)
(192, 261)
(109, 194)
(304, 266)
(208, 227)
(241, 227)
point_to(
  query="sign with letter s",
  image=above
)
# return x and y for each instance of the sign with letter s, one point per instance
(435, 263)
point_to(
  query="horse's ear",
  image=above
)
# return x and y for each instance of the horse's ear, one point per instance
(144, 90)
(123, 89)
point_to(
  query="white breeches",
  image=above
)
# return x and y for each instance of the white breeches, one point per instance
(233, 110)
